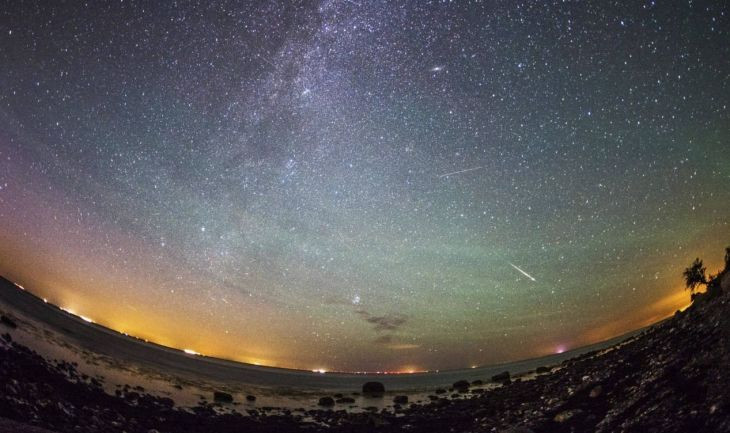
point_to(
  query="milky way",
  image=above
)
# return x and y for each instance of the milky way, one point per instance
(364, 185)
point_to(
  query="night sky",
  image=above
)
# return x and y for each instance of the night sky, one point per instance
(364, 185)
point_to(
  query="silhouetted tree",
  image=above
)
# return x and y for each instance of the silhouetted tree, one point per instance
(695, 275)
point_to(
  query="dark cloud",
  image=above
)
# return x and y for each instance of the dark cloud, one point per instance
(388, 322)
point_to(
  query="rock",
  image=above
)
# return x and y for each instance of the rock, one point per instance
(440, 391)
(372, 389)
(713, 409)
(566, 415)
(501, 377)
(725, 281)
(222, 397)
(461, 385)
(166, 402)
(400, 399)
(326, 401)
(596, 391)
(542, 369)
(7, 321)
(250, 398)
(477, 382)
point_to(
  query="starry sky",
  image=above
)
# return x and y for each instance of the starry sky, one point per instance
(364, 185)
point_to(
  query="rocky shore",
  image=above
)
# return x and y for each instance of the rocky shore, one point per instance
(673, 377)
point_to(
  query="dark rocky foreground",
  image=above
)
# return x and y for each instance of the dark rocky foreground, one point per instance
(671, 378)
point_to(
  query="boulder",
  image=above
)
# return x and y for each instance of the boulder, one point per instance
(503, 377)
(222, 397)
(461, 385)
(326, 401)
(566, 415)
(7, 321)
(400, 399)
(542, 369)
(477, 382)
(373, 389)
(250, 398)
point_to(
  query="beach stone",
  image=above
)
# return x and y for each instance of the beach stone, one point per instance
(7, 321)
(166, 402)
(596, 391)
(222, 397)
(566, 415)
(250, 398)
(501, 377)
(373, 388)
(326, 401)
(400, 399)
(725, 281)
(542, 369)
(461, 385)
(477, 382)
(440, 391)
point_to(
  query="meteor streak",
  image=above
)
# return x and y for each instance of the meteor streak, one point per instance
(521, 271)
(461, 171)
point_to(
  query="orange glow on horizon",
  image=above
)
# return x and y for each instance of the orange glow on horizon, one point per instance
(139, 324)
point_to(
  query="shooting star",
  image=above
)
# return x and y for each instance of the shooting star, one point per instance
(265, 59)
(461, 171)
(521, 271)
